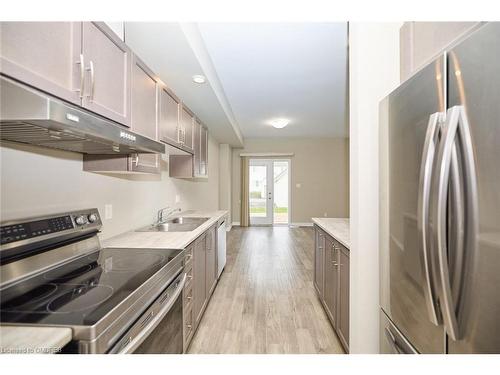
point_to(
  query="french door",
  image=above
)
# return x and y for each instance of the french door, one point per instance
(269, 191)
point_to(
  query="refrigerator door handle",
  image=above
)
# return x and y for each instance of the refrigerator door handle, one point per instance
(428, 155)
(456, 134)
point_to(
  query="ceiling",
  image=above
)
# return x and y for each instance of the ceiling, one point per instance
(296, 71)
(255, 72)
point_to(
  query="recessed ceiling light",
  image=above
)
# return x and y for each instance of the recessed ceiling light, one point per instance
(198, 78)
(279, 123)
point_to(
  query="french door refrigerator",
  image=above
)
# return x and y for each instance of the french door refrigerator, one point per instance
(440, 204)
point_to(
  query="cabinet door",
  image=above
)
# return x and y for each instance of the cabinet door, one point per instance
(169, 116)
(107, 64)
(144, 114)
(331, 279)
(187, 128)
(211, 263)
(45, 55)
(199, 278)
(319, 245)
(343, 300)
(196, 147)
(204, 151)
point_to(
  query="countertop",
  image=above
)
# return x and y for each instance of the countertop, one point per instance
(165, 240)
(335, 227)
(33, 340)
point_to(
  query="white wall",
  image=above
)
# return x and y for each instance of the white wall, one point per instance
(38, 181)
(374, 72)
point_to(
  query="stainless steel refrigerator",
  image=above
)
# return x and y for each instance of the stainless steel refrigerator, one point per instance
(440, 204)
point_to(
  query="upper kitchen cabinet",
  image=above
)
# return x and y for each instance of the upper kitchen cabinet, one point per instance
(203, 152)
(45, 55)
(84, 63)
(186, 128)
(144, 121)
(169, 116)
(107, 66)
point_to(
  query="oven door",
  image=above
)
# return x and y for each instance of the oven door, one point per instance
(160, 329)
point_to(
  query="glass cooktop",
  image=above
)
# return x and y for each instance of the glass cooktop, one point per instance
(84, 290)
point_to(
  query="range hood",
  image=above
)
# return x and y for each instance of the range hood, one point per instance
(30, 116)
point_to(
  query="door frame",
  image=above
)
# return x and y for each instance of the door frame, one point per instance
(269, 162)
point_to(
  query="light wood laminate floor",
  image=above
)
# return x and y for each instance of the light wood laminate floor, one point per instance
(265, 301)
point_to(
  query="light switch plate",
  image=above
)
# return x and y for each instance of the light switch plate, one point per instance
(108, 211)
(177, 198)
(298, 186)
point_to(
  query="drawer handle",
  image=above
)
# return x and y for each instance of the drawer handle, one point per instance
(189, 326)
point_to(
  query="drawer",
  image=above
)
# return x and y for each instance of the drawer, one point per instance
(188, 296)
(189, 276)
(188, 327)
(188, 257)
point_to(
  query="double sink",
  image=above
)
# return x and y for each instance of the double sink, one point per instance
(176, 224)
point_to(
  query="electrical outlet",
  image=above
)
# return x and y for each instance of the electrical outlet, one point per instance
(298, 186)
(108, 211)
(325, 214)
(177, 198)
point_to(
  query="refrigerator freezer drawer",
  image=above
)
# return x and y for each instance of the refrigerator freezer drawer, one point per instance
(392, 340)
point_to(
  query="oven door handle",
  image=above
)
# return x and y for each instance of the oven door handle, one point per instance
(137, 340)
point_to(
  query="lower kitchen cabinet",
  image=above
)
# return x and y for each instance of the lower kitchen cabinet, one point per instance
(201, 279)
(331, 281)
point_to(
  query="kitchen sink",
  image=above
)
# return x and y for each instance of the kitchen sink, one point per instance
(176, 224)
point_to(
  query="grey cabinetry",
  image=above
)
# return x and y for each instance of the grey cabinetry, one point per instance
(169, 116)
(45, 55)
(203, 152)
(196, 145)
(343, 297)
(84, 63)
(331, 281)
(319, 246)
(186, 120)
(107, 67)
(199, 272)
(211, 260)
(144, 116)
(331, 288)
(144, 105)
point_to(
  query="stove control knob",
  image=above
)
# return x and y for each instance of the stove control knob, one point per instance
(92, 218)
(80, 220)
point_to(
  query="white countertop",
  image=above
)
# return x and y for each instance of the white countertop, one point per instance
(33, 340)
(335, 227)
(165, 240)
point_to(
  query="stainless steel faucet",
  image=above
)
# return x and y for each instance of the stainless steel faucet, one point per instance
(162, 217)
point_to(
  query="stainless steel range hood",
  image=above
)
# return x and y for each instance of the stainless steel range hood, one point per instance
(30, 116)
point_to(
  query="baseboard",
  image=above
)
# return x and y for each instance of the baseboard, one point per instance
(301, 224)
(235, 224)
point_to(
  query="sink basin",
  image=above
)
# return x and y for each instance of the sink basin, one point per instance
(176, 224)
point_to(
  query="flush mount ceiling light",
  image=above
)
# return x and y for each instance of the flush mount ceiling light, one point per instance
(279, 123)
(198, 78)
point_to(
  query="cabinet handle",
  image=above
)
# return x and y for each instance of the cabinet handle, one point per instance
(335, 264)
(135, 159)
(189, 326)
(92, 80)
(82, 75)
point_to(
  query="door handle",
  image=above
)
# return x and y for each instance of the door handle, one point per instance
(424, 188)
(456, 132)
(92, 80)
